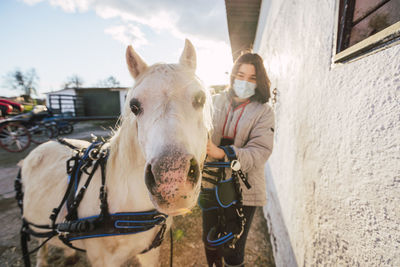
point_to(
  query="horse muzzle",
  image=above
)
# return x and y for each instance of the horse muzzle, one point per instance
(172, 181)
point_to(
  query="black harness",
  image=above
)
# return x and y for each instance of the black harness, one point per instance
(226, 198)
(87, 160)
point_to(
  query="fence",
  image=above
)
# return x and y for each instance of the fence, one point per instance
(62, 104)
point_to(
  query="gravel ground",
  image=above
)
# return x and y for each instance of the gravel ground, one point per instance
(186, 230)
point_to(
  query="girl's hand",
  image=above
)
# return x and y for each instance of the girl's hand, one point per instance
(214, 151)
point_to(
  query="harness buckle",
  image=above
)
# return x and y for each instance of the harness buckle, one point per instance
(163, 218)
(94, 137)
(235, 165)
(53, 215)
(103, 192)
(61, 234)
(85, 166)
(71, 163)
(103, 153)
(94, 154)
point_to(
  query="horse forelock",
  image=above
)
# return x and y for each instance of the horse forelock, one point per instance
(162, 72)
(170, 80)
(179, 78)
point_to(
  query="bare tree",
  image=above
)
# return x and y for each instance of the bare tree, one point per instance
(109, 82)
(24, 82)
(73, 81)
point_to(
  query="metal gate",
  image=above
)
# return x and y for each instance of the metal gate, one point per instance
(66, 104)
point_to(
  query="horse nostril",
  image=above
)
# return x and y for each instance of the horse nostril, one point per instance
(194, 171)
(149, 178)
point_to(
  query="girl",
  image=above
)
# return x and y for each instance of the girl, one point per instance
(243, 121)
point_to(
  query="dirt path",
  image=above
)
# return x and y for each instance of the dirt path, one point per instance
(187, 246)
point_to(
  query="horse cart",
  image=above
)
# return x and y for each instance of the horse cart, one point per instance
(37, 126)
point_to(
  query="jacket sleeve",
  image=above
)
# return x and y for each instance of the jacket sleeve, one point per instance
(259, 146)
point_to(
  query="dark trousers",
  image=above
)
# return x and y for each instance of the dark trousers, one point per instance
(231, 256)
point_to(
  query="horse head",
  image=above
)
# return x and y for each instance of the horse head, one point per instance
(170, 108)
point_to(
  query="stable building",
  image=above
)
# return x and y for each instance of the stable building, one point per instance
(88, 101)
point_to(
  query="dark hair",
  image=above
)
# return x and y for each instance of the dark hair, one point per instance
(262, 93)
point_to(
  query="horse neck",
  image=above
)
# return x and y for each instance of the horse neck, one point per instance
(125, 172)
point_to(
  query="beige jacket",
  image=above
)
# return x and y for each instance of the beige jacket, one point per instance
(253, 142)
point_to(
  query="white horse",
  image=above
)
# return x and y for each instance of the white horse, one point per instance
(150, 156)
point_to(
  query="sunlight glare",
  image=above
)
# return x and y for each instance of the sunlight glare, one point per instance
(214, 61)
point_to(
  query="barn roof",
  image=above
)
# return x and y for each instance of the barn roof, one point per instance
(242, 16)
(88, 88)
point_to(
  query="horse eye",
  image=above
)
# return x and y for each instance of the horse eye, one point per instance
(135, 106)
(199, 99)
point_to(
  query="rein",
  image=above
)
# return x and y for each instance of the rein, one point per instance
(87, 160)
(226, 193)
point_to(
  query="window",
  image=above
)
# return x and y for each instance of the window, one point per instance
(365, 26)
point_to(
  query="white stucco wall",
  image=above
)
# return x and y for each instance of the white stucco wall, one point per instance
(122, 98)
(333, 179)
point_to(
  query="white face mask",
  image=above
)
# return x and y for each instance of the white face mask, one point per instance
(244, 89)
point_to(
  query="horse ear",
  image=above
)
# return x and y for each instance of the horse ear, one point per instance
(188, 57)
(136, 65)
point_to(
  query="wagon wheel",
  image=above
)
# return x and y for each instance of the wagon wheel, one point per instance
(54, 130)
(14, 137)
(67, 128)
(40, 133)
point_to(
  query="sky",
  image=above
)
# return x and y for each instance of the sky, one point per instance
(88, 38)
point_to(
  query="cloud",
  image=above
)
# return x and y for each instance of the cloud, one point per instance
(32, 2)
(203, 19)
(73, 5)
(127, 34)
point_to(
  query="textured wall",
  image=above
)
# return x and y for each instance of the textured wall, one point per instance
(334, 175)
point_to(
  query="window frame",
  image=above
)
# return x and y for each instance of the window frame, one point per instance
(379, 41)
